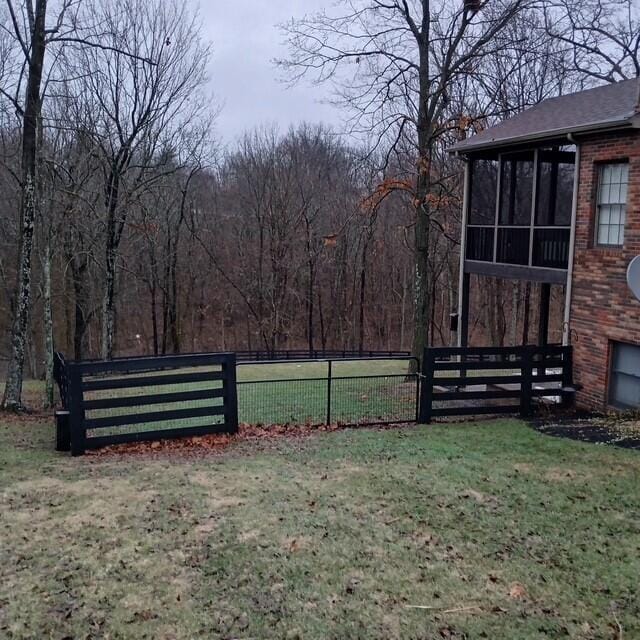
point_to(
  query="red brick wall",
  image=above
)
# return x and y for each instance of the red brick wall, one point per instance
(602, 307)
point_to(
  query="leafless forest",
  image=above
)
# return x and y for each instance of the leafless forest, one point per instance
(128, 228)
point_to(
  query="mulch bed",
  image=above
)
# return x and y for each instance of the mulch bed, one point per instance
(618, 430)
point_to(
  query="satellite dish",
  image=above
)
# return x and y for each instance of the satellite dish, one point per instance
(633, 276)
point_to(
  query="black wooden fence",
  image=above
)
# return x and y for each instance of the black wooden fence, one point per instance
(148, 398)
(464, 381)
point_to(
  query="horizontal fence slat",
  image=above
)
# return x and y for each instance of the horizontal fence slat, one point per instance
(158, 434)
(552, 363)
(439, 352)
(152, 362)
(551, 377)
(471, 411)
(157, 398)
(475, 395)
(474, 380)
(550, 392)
(152, 416)
(148, 381)
(475, 365)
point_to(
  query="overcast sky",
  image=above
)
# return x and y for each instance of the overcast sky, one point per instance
(245, 40)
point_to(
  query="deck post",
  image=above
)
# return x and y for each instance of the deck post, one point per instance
(463, 278)
(543, 321)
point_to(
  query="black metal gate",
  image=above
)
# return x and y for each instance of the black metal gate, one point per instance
(356, 390)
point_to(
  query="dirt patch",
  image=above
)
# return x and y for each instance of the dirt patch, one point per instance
(298, 543)
(618, 430)
(479, 497)
(559, 474)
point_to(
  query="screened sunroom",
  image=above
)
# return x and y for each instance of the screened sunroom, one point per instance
(519, 210)
(517, 222)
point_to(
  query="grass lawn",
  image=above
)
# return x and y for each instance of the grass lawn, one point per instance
(496, 530)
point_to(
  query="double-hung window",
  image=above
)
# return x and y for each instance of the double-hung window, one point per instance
(613, 180)
(624, 391)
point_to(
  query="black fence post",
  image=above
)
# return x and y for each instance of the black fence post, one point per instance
(568, 398)
(76, 410)
(63, 434)
(329, 371)
(526, 384)
(231, 394)
(426, 387)
(418, 387)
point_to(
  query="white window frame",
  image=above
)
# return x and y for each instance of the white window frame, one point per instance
(616, 373)
(611, 203)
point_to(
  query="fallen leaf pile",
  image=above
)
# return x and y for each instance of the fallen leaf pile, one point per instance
(220, 441)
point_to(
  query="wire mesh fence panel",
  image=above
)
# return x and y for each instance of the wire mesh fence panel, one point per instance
(374, 399)
(368, 390)
(289, 401)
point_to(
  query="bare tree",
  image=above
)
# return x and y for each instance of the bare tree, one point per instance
(137, 108)
(393, 65)
(32, 40)
(602, 36)
(26, 29)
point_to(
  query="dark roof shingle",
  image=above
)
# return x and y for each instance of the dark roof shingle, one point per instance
(608, 105)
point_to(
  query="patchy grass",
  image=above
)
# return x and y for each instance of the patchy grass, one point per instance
(496, 531)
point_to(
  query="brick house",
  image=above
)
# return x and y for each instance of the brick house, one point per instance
(552, 196)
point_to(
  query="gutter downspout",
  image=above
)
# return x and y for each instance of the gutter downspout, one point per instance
(566, 324)
(463, 243)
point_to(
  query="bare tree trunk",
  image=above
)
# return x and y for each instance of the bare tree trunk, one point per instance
(422, 229)
(108, 310)
(422, 312)
(48, 325)
(13, 389)
(515, 299)
(173, 312)
(154, 316)
(81, 302)
(310, 309)
(527, 305)
(403, 308)
(363, 282)
(323, 333)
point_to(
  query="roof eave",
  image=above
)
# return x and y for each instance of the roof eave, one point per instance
(631, 123)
